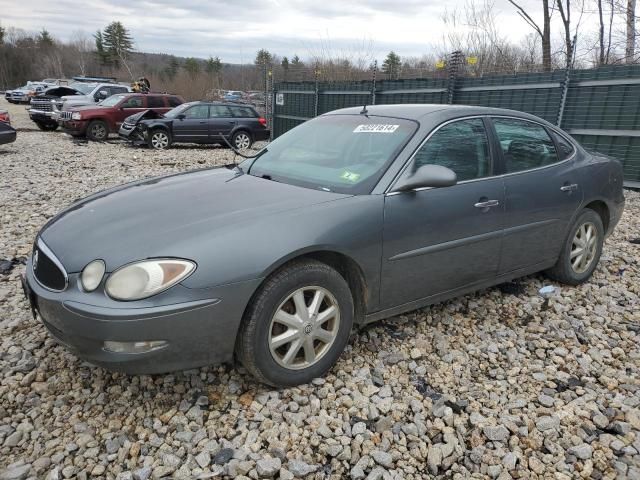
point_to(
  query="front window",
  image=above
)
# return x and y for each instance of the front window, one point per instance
(111, 101)
(173, 113)
(337, 153)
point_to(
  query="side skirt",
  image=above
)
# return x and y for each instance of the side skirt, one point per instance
(441, 297)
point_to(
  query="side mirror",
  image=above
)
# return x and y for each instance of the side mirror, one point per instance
(435, 176)
(182, 116)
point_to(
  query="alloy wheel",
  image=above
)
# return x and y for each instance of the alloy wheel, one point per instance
(304, 327)
(584, 247)
(242, 141)
(159, 140)
(98, 131)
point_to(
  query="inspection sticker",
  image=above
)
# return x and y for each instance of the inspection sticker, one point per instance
(376, 128)
(350, 176)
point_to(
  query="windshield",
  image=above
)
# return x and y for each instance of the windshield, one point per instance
(83, 87)
(178, 110)
(337, 153)
(111, 101)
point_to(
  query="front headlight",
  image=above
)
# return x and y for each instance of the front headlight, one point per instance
(149, 277)
(91, 275)
(76, 116)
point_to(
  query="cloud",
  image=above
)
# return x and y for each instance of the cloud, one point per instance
(235, 30)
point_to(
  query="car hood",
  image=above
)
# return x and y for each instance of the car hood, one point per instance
(144, 115)
(159, 216)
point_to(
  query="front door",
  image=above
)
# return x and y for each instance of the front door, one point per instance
(542, 192)
(129, 106)
(194, 126)
(438, 240)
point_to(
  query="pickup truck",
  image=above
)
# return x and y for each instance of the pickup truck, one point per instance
(98, 121)
(45, 108)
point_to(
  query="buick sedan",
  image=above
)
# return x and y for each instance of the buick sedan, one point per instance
(357, 215)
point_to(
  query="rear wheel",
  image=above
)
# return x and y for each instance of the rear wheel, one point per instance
(581, 251)
(241, 140)
(97, 130)
(297, 325)
(159, 139)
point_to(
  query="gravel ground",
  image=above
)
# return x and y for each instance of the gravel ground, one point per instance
(491, 385)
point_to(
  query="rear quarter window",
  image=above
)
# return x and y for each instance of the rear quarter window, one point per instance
(155, 102)
(243, 112)
(565, 148)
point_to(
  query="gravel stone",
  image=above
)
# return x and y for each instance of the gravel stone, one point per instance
(382, 458)
(496, 434)
(268, 467)
(300, 468)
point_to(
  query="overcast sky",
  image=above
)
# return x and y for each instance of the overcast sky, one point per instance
(235, 30)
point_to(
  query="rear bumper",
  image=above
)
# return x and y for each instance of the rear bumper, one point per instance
(615, 213)
(7, 137)
(261, 135)
(197, 332)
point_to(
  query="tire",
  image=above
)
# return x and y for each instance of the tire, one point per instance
(97, 130)
(159, 139)
(47, 127)
(573, 268)
(241, 140)
(303, 279)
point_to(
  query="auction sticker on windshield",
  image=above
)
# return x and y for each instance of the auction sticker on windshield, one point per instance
(376, 128)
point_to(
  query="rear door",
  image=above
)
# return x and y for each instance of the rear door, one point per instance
(221, 122)
(157, 103)
(437, 240)
(542, 192)
(194, 127)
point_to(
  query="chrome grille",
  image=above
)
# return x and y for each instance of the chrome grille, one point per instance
(47, 269)
(65, 115)
(41, 104)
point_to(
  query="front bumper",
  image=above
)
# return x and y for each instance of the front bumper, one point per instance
(199, 331)
(74, 127)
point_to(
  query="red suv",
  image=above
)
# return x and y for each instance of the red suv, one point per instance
(97, 121)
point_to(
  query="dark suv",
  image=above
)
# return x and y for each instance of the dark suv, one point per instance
(198, 122)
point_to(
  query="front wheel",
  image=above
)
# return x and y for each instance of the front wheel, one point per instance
(241, 140)
(159, 139)
(581, 250)
(97, 131)
(297, 325)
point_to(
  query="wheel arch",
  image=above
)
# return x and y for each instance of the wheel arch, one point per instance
(344, 264)
(602, 209)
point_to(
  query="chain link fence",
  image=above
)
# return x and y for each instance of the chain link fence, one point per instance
(599, 107)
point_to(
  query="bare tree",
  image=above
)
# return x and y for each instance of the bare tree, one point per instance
(82, 45)
(544, 32)
(629, 51)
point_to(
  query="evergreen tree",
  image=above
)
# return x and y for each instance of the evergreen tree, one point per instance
(391, 65)
(2, 32)
(192, 66)
(101, 53)
(263, 57)
(213, 66)
(44, 39)
(117, 42)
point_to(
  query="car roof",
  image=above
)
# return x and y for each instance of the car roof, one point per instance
(417, 111)
(228, 104)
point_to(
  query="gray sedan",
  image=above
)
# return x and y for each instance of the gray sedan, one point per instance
(355, 216)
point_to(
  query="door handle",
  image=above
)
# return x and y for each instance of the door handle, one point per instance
(202, 123)
(487, 204)
(569, 188)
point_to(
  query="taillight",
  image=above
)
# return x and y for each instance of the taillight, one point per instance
(263, 121)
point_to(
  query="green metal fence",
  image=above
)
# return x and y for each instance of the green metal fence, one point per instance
(599, 107)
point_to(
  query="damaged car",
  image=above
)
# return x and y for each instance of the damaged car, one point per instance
(7, 132)
(42, 106)
(197, 122)
(98, 121)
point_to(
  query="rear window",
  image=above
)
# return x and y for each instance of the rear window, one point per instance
(174, 101)
(155, 102)
(243, 112)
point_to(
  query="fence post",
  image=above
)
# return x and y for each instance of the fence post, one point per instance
(316, 95)
(455, 59)
(565, 85)
(272, 119)
(373, 86)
